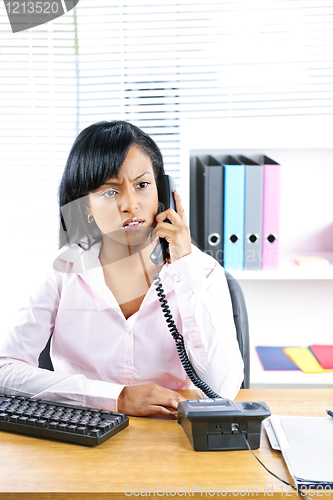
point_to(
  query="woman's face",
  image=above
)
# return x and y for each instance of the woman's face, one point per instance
(124, 208)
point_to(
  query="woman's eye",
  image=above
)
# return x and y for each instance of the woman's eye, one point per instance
(143, 184)
(109, 193)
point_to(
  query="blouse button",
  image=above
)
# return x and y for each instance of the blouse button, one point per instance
(127, 362)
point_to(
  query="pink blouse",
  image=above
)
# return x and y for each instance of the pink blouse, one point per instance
(96, 352)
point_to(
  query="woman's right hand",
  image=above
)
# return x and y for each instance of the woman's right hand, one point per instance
(148, 400)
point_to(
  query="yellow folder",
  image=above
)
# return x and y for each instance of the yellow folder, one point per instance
(304, 359)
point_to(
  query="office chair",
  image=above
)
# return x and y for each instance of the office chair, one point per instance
(242, 325)
(44, 360)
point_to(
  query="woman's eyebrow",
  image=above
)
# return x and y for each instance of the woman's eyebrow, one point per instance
(136, 178)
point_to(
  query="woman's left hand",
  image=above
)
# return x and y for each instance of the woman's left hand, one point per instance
(177, 233)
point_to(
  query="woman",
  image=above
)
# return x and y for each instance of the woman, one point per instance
(111, 346)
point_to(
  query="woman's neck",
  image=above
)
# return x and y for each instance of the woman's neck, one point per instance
(113, 252)
(130, 277)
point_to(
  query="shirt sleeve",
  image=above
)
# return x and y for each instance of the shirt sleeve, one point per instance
(21, 345)
(208, 326)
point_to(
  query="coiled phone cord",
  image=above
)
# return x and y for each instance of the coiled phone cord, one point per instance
(191, 372)
(179, 339)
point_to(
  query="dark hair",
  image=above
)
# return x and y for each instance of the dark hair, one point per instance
(97, 155)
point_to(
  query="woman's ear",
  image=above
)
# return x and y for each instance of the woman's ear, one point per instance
(86, 205)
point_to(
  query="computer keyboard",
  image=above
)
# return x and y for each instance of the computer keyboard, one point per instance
(62, 422)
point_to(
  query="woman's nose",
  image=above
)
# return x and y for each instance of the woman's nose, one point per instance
(128, 201)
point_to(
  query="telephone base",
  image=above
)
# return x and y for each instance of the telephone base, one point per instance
(212, 424)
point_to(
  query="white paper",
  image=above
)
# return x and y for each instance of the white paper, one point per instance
(310, 451)
(307, 446)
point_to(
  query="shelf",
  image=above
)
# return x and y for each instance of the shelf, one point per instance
(291, 305)
(288, 270)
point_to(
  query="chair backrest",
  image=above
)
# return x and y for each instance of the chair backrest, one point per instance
(44, 360)
(241, 323)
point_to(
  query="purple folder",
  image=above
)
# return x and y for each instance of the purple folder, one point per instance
(273, 358)
(271, 214)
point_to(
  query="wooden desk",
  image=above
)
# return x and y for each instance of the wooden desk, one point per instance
(152, 453)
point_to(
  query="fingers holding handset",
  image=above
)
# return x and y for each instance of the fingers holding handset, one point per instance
(177, 233)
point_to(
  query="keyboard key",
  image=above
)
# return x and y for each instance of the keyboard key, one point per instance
(21, 409)
(105, 425)
(84, 420)
(12, 409)
(75, 420)
(96, 432)
(42, 423)
(58, 415)
(39, 413)
(115, 419)
(83, 430)
(66, 418)
(120, 415)
(5, 405)
(29, 411)
(48, 415)
(94, 421)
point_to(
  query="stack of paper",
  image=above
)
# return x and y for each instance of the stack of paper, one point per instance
(306, 444)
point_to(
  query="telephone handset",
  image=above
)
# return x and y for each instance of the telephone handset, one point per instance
(166, 187)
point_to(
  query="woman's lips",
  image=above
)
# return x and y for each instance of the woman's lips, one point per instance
(133, 224)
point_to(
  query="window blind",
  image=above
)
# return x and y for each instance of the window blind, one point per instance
(152, 62)
(194, 59)
(38, 121)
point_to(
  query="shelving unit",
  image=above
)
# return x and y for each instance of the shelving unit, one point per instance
(292, 305)
(288, 270)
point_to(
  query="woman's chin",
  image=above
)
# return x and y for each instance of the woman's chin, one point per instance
(131, 238)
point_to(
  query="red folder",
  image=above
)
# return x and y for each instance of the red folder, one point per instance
(324, 355)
